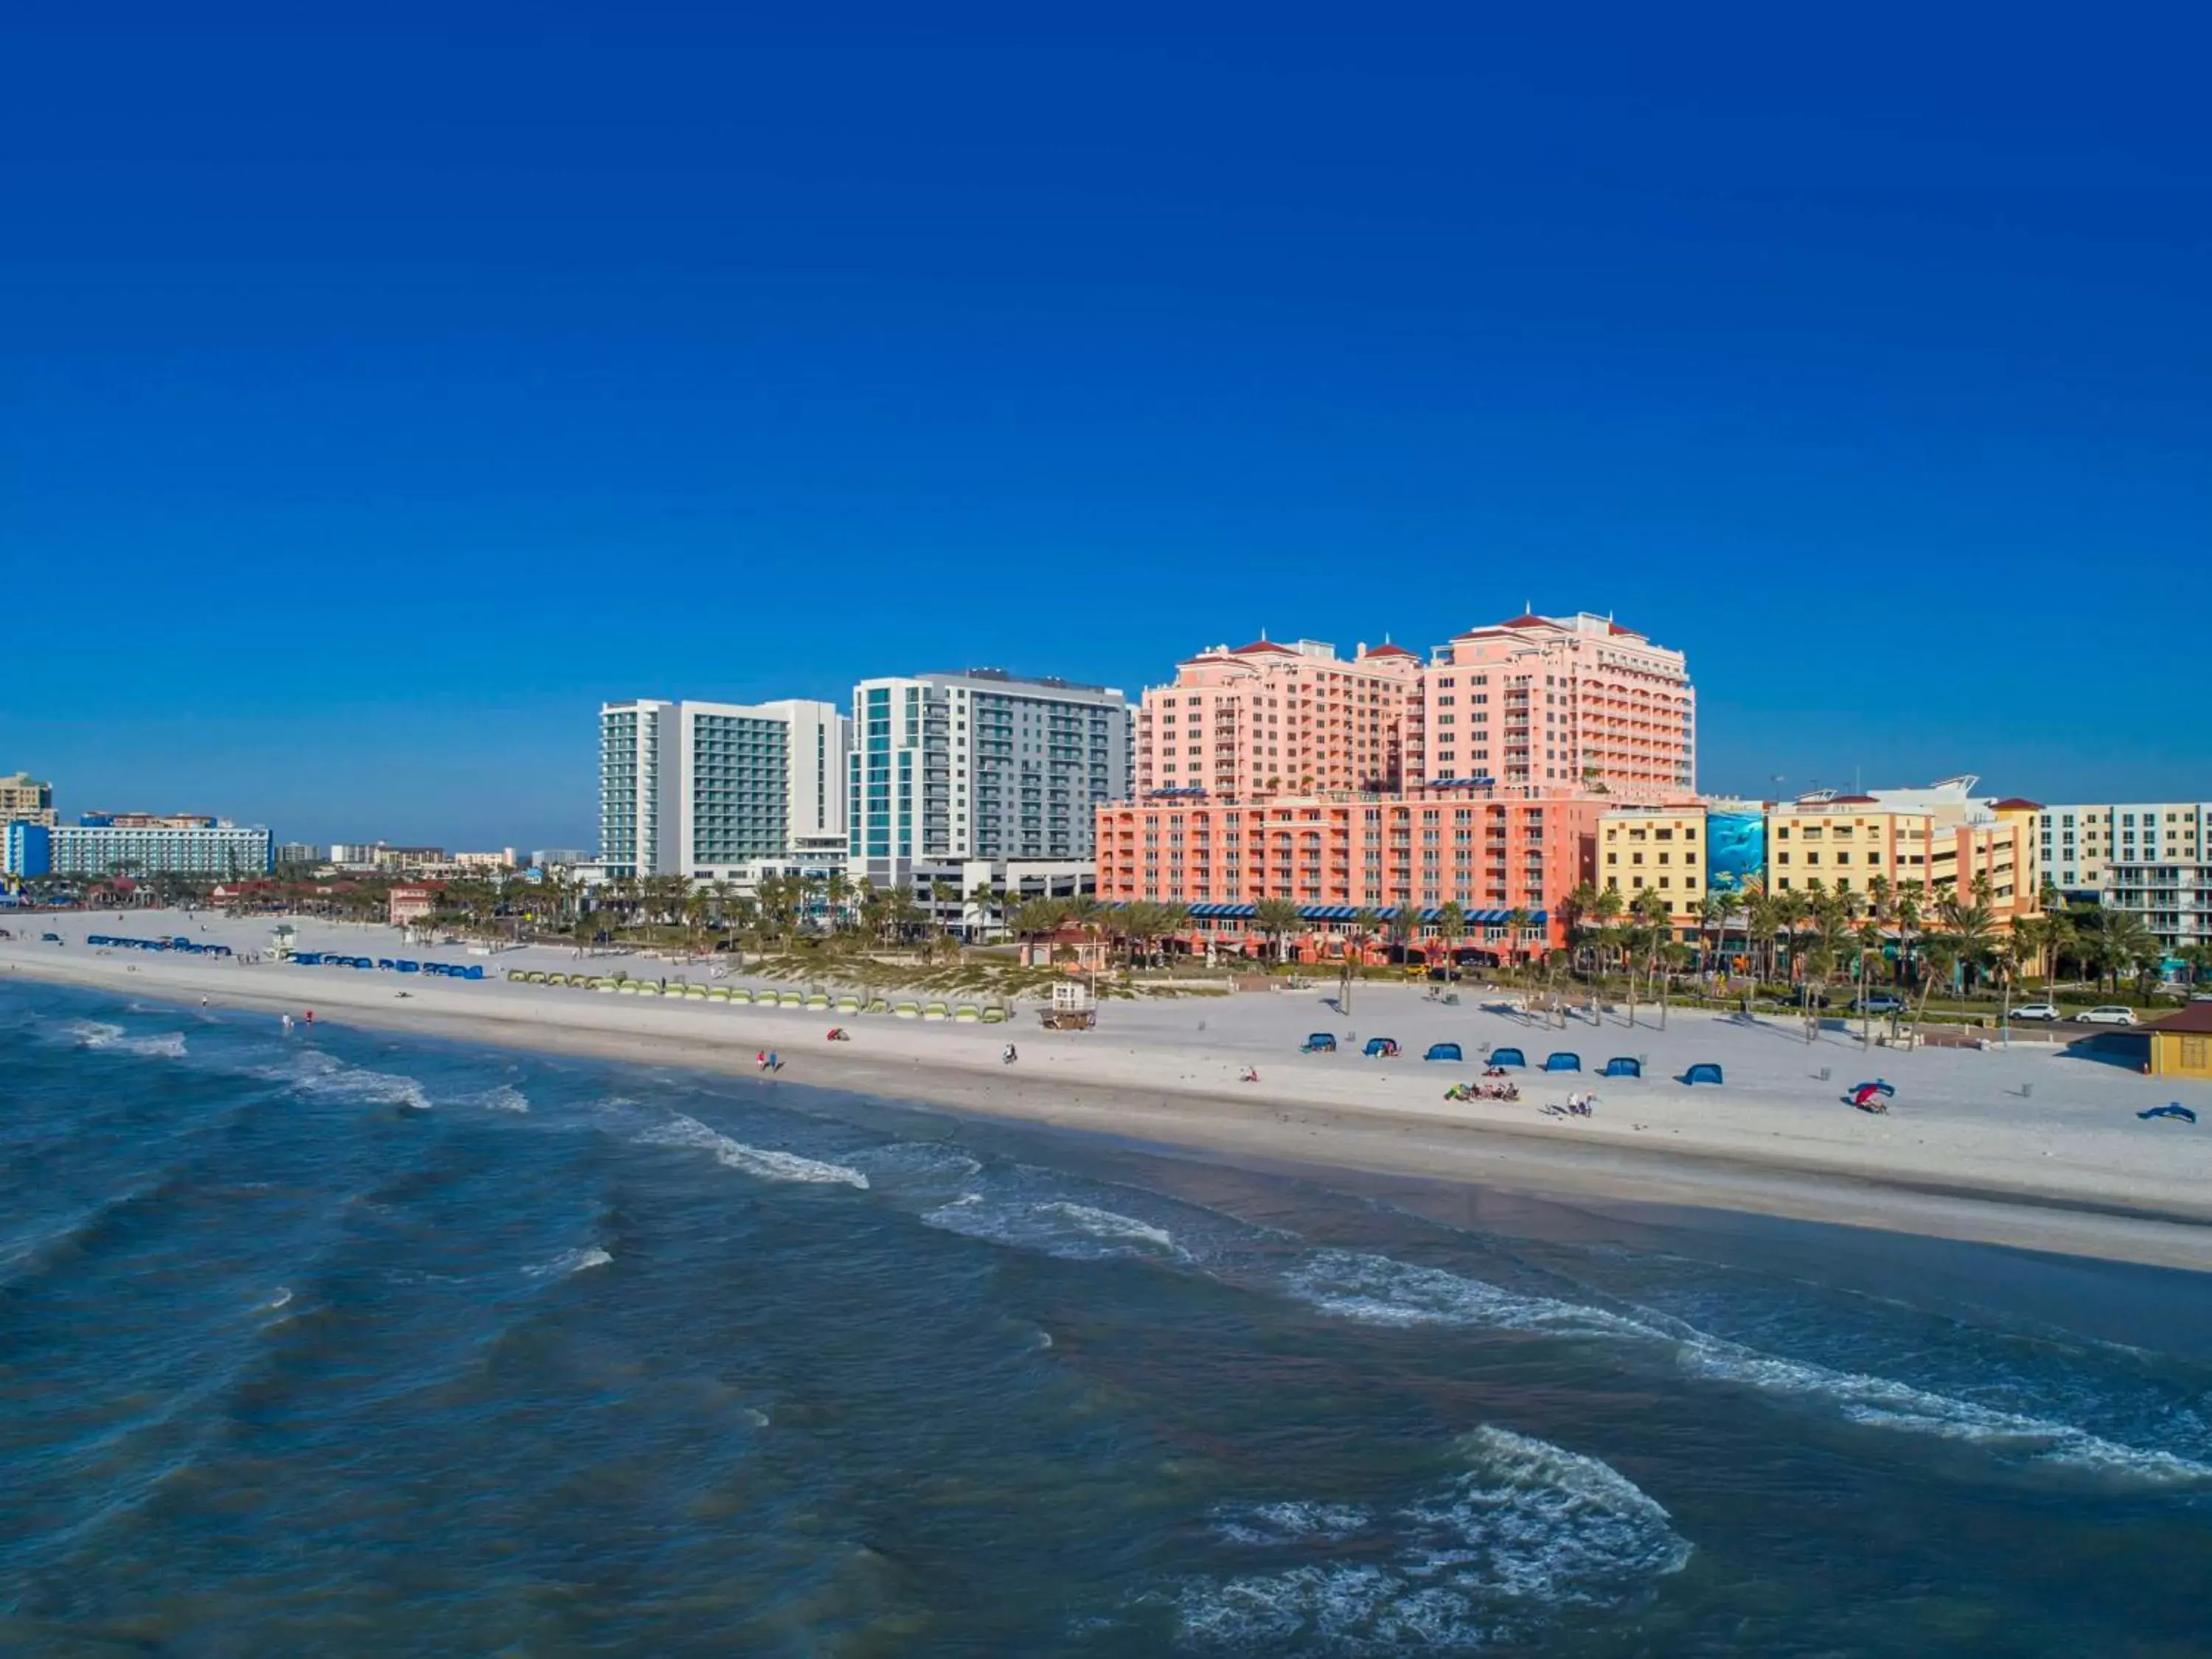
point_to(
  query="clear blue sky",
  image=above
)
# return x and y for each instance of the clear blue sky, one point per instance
(381, 387)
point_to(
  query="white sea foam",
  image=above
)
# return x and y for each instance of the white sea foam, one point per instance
(99, 1034)
(909, 1160)
(1377, 1290)
(1528, 1528)
(758, 1161)
(325, 1077)
(282, 1299)
(570, 1261)
(1885, 1403)
(504, 1098)
(1287, 1523)
(1057, 1227)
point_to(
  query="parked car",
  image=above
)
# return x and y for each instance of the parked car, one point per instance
(2109, 1013)
(2038, 1011)
(1879, 1002)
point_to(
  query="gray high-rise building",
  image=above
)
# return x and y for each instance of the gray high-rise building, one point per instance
(981, 765)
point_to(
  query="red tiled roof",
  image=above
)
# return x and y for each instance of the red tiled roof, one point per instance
(1616, 630)
(1530, 620)
(2018, 803)
(1386, 649)
(1264, 645)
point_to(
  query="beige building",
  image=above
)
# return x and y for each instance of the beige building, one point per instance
(24, 799)
(1661, 849)
(1941, 837)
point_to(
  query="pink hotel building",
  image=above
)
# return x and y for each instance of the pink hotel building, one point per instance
(1381, 781)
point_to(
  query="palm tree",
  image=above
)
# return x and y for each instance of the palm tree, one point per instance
(1034, 918)
(2118, 943)
(1451, 922)
(1971, 930)
(1869, 936)
(1712, 921)
(981, 899)
(1518, 921)
(1940, 954)
(943, 896)
(1276, 919)
(1657, 913)
(1364, 928)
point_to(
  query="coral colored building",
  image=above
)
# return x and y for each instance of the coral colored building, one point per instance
(1568, 701)
(1488, 851)
(1268, 719)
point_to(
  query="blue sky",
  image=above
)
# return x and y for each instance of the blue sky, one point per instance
(381, 389)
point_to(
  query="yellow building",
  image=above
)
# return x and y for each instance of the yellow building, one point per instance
(1938, 837)
(2181, 1044)
(1661, 850)
(1845, 842)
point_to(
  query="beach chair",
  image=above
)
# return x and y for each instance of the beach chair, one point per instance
(967, 1013)
(1321, 1043)
(1443, 1051)
(1506, 1057)
(1623, 1066)
(1704, 1072)
(818, 1000)
(906, 1011)
(994, 1016)
(936, 1011)
(848, 1003)
(1563, 1061)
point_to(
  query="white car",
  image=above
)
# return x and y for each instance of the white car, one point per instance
(2111, 1013)
(2038, 1011)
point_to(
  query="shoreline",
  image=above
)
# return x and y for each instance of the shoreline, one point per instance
(1067, 1082)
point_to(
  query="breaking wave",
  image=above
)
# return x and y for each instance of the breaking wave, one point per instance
(1377, 1290)
(325, 1077)
(569, 1261)
(761, 1162)
(1529, 1529)
(504, 1098)
(1056, 1227)
(99, 1034)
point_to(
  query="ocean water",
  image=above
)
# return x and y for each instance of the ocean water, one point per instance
(341, 1343)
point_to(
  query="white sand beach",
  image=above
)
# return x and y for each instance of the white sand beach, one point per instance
(2029, 1145)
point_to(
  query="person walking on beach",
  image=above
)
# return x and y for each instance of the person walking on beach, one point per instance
(1008, 1057)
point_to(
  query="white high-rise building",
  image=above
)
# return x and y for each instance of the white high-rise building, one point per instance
(721, 792)
(2152, 858)
(980, 766)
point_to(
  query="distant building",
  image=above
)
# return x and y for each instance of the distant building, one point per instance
(298, 852)
(147, 821)
(503, 859)
(979, 765)
(216, 848)
(24, 799)
(721, 792)
(410, 902)
(29, 850)
(554, 858)
(2152, 858)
